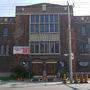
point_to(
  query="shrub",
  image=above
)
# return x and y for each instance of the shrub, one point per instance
(20, 71)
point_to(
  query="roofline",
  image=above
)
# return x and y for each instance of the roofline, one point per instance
(41, 3)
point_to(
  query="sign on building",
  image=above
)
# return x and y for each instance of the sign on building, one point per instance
(83, 64)
(20, 50)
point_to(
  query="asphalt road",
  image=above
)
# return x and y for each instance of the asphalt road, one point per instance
(44, 86)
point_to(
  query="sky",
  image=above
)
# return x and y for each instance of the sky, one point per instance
(81, 7)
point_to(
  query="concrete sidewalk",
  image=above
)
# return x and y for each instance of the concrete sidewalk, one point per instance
(31, 84)
(27, 84)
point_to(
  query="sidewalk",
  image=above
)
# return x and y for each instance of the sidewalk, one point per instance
(26, 83)
(32, 84)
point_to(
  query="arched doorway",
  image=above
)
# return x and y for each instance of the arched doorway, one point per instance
(51, 67)
(37, 67)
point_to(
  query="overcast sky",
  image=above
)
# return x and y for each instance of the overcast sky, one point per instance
(7, 7)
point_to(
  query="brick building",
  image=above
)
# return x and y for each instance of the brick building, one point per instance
(82, 29)
(7, 27)
(43, 30)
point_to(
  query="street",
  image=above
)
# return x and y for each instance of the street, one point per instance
(43, 86)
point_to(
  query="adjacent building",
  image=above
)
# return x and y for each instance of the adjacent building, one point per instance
(7, 27)
(82, 29)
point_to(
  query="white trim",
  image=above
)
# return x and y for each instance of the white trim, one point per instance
(51, 62)
(29, 13)
(36, 62)
(44, 54)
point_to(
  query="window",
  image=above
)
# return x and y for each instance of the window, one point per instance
(46, 18)
(56, 47)
(32, 27)
(1, 19)
(56, 27)
(84, 48)
(32, 47)
(51, 27)
(56, 18)
(4, 49)
(44, 47)
(32, 18)
(42, 27)
(51, 18)
(46, 28)
(7, 50)
(51, 47)
(41, 47)
(83, 30)
(37, 28)
(36, 47)
(44, 23)
(42, 18)
(37, 18)
(5, 31)
(11, 19)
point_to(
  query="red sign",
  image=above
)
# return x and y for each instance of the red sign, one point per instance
(25, 50)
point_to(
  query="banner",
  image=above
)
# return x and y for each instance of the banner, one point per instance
(20, 50)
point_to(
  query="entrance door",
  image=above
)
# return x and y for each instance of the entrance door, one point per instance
(37, 67)
(51, 67)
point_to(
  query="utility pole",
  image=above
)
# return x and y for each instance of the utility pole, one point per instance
(69, 43)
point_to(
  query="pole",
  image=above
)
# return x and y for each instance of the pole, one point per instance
(69, 44)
